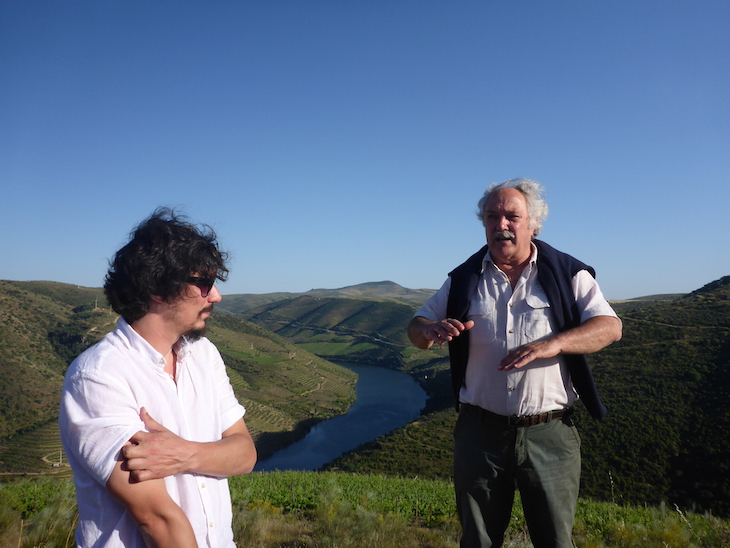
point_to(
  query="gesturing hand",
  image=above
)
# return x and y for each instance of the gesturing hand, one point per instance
(155, 454)
(527, 353)
(445, 330)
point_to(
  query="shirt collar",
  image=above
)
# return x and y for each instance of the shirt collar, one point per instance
(138, 343)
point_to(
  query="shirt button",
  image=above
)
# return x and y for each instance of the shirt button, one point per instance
(511, 388)
(202, 485)
(511, 330)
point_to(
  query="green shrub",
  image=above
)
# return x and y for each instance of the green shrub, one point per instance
(328, 510)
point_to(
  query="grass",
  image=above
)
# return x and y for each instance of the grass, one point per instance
(336, 510)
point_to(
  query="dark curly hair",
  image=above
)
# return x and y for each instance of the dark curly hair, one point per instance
(163, 251)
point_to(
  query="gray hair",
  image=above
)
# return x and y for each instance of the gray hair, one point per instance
(537, 207)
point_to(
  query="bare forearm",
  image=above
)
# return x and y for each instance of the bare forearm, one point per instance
(416, 333)
(160, 520)
(231, 456)
(160, 453)
(591, 336)
(168, 531)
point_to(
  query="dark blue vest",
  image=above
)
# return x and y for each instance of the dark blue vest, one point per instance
(555, 271)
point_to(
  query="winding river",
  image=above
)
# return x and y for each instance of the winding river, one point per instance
(385, 401)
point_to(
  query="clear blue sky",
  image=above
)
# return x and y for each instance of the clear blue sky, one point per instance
(332, 143)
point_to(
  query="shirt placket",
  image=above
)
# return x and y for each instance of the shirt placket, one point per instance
(513, 338)
(167, 379)
(201, 481)
(503, 296)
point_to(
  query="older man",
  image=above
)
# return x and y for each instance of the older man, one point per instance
(149, 421)
(519, 317)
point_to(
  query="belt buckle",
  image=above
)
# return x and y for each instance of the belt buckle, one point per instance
(530, 420)
(516, 421)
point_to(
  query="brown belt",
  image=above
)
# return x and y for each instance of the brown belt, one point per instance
(515, 421)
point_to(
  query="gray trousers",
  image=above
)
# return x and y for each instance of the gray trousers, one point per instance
(542, 461)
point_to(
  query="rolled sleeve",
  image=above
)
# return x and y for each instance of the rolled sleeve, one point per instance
(589, 298)
(434, 308)
(100, 419)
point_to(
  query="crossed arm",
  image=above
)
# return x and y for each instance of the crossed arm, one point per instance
(159, 453)
(137, 479)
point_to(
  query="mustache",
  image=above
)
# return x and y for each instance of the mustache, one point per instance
(503, 235)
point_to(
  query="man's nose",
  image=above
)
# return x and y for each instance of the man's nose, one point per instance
(214, 296)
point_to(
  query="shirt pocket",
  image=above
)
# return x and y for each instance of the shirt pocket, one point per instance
(483, 313)
(537, 317)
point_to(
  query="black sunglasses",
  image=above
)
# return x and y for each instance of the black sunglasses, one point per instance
(204, 284)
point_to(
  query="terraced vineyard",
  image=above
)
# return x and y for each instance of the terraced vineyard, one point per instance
(357, 330)
(36, 452)
(284, 388)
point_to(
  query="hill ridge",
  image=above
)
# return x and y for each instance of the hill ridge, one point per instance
(666, 383)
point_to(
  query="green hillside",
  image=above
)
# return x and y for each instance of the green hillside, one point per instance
(380, 291)
(666, 384)
(41, 324)
(285, 389)
(667, 387)
(45, 325)
(354, 330)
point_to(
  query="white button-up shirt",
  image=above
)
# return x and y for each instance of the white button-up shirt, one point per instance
(504, 319)
(104, 390)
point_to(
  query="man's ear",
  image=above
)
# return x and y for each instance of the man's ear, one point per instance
(157, 299)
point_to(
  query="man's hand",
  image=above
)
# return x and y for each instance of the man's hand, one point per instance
(521, 356)
(155, 454)
(591, 336)
(160, 453)
(423, 333)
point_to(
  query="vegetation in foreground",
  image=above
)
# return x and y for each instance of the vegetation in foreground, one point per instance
(336, 510)
(666, 384)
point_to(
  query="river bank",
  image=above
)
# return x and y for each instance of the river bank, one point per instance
(386, 400)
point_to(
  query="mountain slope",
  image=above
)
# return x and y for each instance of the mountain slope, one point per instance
(666, 383)
(667, 387)
(381, 291)
(33, 327)
(45, 325)
(355, 330)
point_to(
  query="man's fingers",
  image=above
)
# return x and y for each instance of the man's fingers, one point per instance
(137, 476)
(151, 424)
(455, 327)
(135, 439)
(130, 449)
(468, 325)
(445, 330)
(519, 357)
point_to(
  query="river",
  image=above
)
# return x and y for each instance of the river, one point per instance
(385, 400)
